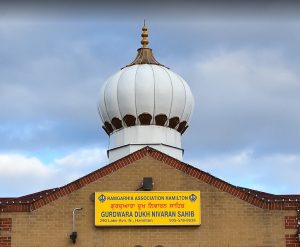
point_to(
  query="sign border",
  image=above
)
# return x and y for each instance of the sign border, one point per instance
(190, 225)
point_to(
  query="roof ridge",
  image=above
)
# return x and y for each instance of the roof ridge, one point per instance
(260, 199)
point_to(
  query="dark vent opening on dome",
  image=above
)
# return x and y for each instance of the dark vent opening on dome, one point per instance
(129, 120)
(181, 126)
(173, 122)
(145, 118)
(117, 123)
(161, 119)
(108, 127)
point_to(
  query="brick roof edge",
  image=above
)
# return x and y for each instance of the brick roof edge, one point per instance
(260, 199)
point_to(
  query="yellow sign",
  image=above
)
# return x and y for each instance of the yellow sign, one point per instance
(147, 208)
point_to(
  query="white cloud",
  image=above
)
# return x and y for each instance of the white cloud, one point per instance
(80, 163)
(82, 158)
(21, 174)
(16, 165)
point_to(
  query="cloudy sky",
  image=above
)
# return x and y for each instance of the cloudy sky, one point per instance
(242, 62)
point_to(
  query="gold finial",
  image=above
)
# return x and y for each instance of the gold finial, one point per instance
(144, 35)
(145, 55)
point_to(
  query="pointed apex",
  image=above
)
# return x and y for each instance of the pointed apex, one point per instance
(145, 55)
(144, 35)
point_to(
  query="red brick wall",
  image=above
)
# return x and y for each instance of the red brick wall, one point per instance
(291, 222)
(291, 240)
(5, 232)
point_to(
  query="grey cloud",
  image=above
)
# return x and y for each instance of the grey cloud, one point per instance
(245, 101)
(48, 87)
(244, 75)
(55, 73)
(162, 10)
(264, 173)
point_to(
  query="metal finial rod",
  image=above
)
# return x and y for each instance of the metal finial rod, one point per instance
(144, 35)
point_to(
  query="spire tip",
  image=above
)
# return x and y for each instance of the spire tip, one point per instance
(144, 35)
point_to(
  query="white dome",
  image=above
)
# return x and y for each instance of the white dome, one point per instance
(145, 94)
(145, 104)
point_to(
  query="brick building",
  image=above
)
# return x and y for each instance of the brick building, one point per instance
(146, 144)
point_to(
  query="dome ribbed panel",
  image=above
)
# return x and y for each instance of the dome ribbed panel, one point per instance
(102, 107)
(111, 99)
(179, 97)
(188, 100)
(126, 91)
(163, 91)
(144, 90)
(189, 104)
